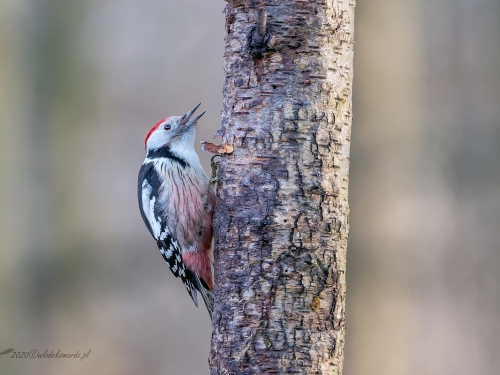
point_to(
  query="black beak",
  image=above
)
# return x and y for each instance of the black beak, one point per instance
(185, 119)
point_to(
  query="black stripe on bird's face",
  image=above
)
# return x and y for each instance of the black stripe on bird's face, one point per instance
(164, 152)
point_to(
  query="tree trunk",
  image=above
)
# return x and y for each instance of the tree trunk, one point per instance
(281, 217)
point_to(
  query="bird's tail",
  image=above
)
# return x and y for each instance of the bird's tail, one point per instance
(206, 294)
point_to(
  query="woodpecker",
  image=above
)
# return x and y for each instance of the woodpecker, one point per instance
(176, 203)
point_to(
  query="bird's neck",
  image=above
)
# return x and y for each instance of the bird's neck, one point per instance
(165, 152)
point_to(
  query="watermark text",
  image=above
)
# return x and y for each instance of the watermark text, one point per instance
(37, 354)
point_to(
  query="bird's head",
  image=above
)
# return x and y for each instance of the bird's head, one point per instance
(173, 132)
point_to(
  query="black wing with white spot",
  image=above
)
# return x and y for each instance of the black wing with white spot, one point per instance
(149, 184)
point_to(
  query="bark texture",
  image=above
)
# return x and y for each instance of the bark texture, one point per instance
(281, 217)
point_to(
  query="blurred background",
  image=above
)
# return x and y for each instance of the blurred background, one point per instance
(81, 83)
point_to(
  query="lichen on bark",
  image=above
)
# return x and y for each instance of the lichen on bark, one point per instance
(281, 217)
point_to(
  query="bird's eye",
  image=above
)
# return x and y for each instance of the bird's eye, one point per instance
(167, 127)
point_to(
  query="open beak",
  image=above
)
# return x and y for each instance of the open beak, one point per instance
(185, 119)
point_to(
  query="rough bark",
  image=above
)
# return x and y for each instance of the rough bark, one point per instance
(281, 217)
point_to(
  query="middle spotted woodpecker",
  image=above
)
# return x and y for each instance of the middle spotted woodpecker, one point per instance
(176, 203)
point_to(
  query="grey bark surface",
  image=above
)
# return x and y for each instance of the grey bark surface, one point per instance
(281, 217)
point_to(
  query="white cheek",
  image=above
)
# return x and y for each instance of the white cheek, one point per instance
(158, 139)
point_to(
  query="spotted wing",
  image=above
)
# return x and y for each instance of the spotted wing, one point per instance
(149, 185)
